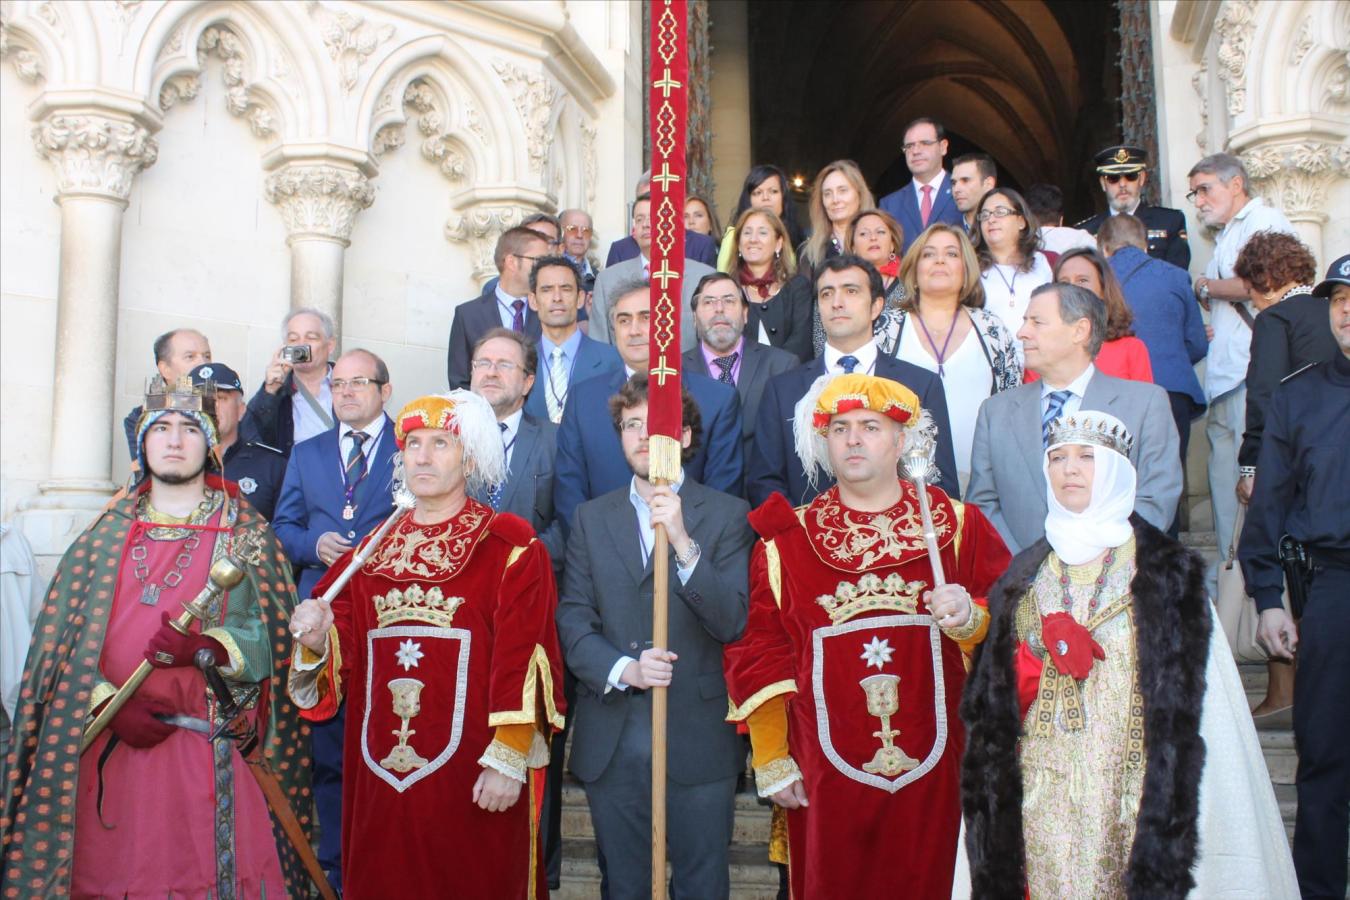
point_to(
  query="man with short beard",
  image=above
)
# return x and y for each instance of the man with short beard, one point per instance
(1123, 173)
(724, 353)
(153, 808)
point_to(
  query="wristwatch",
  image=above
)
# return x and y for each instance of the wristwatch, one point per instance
(689, 558)
(1202, 289)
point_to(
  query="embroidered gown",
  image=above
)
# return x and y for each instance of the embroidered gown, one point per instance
(836, 624)
(445, 649)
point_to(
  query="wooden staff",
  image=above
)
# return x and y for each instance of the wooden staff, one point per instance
(660, 699)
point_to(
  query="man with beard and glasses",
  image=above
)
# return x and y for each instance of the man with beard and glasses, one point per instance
(1123, 173)
(723, 353)
(154, 808)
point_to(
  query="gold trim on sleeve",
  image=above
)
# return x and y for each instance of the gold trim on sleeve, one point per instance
(758, 699)
(960, 529)
(237, 662)
(506, 760)
(102, 691)
(516, 553)
(979, 616)
(774, 565)
(775, 775)
(538, 670)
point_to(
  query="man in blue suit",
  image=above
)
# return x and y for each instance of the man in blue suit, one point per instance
(849, 295)
(338, 488)
(566, 356)
(590, 459)
(928, 196)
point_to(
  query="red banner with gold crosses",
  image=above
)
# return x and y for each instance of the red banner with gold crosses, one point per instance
(668, 95)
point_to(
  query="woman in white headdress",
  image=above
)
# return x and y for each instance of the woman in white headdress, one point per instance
(1110, 752)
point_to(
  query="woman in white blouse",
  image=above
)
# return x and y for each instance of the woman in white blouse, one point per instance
(945, 328)
(1011, 266)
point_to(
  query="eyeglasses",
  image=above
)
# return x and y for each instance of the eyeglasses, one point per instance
(1114, 177)
(580, 230)
(914, 145)
(706, 302)
(998, 212)
(633, 426)
(356, 384)
(501, 365)
(1202, 190)
(530, 258)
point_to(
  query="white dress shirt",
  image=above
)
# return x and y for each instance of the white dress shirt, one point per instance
(504, 309)
(866, 356)
(305, 421)
(509, 433)
(1231, 349)
(935, 184)
(1007, 292)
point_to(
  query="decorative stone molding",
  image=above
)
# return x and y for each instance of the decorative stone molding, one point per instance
(94, 154)
(1303, 43)
(1337, 92)
(1200, 82)
(480, 227)
(225, 45)
(439, 146)
(179, 88)
(588, 159)
(350, 40)
(47, 13)
(1298, 175)
(534, 95)
(27, 63)
(1235, 26)
(317, 200)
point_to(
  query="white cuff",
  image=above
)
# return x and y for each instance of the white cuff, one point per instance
(685, 574)
(504, 759)
(615, 680)
(779, 773)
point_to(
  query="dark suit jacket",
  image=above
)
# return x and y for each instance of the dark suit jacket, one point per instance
(787, 318)
(774, 466)
(605, 614)
(593, 358)
(312, 498)
(696, 246)
(1166, 232)
(590, 459)
(473, 319)
(759, 363)
(904, 206)
(528, 491)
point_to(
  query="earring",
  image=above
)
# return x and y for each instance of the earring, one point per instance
(892, 259)
(777, 254)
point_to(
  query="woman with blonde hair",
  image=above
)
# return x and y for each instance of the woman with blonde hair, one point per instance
(837, 195)
(779, 304)
(943, 327)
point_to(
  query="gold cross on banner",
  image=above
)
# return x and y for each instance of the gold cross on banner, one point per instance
(666, 84)
(661, 372)
(665, 177)
(665, 275)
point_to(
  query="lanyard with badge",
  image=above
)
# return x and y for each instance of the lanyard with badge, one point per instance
(349, 487)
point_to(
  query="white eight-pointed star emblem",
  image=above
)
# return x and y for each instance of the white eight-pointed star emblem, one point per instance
(408, 654)
(877, 652)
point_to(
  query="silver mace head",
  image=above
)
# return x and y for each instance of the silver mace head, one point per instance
(917, 459)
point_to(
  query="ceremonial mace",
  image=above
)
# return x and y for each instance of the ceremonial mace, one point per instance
(919, 468)
(225, 573)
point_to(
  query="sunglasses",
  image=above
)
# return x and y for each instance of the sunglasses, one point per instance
(1114, 178)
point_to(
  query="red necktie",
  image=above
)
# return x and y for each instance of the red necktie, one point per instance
(926, 207)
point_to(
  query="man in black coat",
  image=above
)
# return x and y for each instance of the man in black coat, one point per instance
(1123, 172)
(850, 295)
(504, 306)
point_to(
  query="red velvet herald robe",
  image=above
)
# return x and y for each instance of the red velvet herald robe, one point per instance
(865, 833)
(483, 654)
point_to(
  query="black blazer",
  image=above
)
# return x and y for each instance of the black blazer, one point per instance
(786, 317)
(473, 319)
(758, 365)
(605, 613)
(774, 466)
(528, 491)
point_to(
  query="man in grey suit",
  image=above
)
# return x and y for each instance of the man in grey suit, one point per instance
(630, 270)
(605, 625)
(501, 372)
(723, 351)
(1062, 331)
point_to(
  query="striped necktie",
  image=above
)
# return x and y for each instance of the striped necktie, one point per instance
(1054, 405)
(556, 395)
(356, 459)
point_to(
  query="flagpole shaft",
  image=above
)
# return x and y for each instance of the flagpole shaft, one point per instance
(660, 698)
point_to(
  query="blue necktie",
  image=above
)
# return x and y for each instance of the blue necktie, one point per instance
(1054, 406)
(849, 363)
(495, 492)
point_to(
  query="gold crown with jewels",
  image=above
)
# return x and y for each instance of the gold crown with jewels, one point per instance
(180, 395)
(416, 605)
(1092, 427)
(870, 594)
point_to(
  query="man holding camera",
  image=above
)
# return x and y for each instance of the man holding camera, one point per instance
(296, 400)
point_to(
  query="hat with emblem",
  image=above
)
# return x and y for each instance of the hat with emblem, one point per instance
(1337, 273)
(224, 377)
(1120, 159)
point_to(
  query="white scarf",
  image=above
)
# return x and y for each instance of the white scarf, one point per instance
(1078, 538)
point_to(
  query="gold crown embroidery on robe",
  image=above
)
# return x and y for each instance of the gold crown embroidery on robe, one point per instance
(872, 594)
(416, 605)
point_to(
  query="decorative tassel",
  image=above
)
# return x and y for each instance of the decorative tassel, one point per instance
(664, 457)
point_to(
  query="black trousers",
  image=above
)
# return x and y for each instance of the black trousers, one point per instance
(326, 742)
(551, 815)
(1322, 733)
(1183, 410)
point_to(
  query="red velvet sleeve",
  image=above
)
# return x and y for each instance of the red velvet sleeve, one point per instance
(1027, 670)
(760, 664)
(525, 686)
(981, 556)
(335, 672)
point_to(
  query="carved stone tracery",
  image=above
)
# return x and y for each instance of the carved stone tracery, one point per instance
(534, 95)
(225, 45)
(480, 227)
(1236, 25)
(350, 40)
(95, 154)
(1298, 175)
(318, 199)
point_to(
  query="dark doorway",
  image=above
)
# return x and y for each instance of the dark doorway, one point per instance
(1033, 83)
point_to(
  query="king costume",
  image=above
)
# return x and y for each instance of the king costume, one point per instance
(1111, 753)
(846, 680)
(444, 648)
(156, 816)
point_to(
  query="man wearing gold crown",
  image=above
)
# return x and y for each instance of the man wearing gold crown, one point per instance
(154, 808)
(1110, 751)
(853, 659)
(444, 646)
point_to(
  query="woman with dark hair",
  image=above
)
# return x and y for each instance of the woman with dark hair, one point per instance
(877, 237)
(1011, 264)
(779, 305)
(766, 187)
(1122, 355)
(700, 216)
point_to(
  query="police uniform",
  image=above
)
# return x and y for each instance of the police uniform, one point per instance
(257, 468)
(1302, 491)
(1166, 228)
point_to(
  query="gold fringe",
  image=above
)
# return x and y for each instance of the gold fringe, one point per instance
(664, 455)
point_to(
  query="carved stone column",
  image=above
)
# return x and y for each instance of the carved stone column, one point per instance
(97, 155)
(1297, 176)
(318, 200)
(480, 226)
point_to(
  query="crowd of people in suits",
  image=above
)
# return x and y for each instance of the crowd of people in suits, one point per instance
(971, 294)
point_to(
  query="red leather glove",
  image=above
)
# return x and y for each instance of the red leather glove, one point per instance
(136, 725)
(1069, 645)
(180, 647)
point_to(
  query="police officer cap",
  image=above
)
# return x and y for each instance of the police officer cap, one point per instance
(224, 377)
(1120, 159)
(1337, 273)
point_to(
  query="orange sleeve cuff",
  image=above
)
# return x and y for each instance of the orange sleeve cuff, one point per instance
(517, 737)
(768, 731)
(979, 612)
